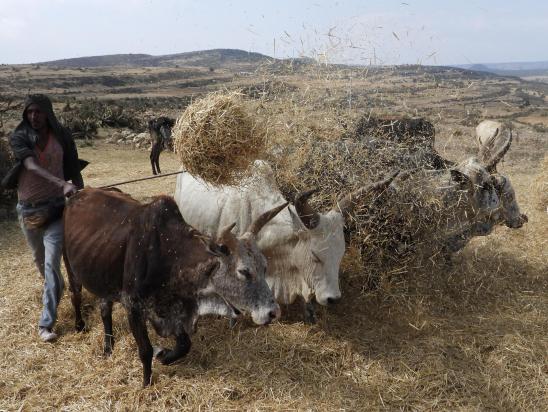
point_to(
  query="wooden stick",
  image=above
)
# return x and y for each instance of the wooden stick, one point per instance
(141, 179)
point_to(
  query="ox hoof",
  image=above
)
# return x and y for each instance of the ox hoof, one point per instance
(80, 326)
(161, 354)
(309, 313)
(158, 351)
(310, 320)
(147, 381)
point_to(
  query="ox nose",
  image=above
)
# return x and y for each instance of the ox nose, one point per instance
(275, 313)
(332, 301)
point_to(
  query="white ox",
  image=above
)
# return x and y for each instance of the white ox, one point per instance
(304, 249)
(491, 136)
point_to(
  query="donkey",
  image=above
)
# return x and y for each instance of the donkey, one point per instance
(160, 136)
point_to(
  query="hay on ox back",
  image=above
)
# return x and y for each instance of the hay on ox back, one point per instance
(217, 139)
(395, 231)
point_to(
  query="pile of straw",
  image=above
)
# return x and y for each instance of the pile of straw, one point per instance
(412, 131)
(268, 90)
(394, 230)
(217, 139)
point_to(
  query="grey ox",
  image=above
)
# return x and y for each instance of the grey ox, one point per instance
(304, 248)
(481, 198)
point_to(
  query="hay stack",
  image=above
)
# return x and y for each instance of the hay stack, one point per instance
(394, 231)
(217, 140)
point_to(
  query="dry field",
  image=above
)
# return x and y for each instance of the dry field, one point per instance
(470, 335)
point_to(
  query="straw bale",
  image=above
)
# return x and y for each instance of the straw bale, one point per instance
(217, 139)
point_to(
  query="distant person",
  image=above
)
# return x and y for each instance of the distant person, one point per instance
(47, 159)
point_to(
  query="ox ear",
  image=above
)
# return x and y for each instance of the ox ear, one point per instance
(218, 249)
(309, 217)
(498, 181)
(297, 223)
(459, 177)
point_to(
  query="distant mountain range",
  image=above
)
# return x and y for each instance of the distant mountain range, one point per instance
(243, 60)
(216, 58)
(520, 69)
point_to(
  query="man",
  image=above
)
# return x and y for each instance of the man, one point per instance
(47, 159)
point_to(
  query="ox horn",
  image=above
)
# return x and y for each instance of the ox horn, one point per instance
(347, 203)
(227, 237)
(263, 219)
(308, 216)
(491, 165)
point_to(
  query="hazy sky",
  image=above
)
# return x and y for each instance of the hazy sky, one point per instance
(392, 32)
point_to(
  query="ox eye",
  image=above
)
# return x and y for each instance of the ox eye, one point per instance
(224, 250)
(244, 274)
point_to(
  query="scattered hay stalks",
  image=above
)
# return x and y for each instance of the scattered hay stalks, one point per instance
(217, 139)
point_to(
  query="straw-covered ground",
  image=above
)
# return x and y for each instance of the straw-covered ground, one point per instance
(471, 335)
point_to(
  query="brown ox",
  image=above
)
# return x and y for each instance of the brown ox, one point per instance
(160, 137)
(160, 268)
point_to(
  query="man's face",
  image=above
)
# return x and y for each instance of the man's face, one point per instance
(36, 117)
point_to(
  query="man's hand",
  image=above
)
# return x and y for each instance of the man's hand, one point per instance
(69, 189)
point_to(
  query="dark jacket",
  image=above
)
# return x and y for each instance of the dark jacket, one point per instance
(24, 138)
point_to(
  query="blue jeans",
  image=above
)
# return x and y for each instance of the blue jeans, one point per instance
(46, 244)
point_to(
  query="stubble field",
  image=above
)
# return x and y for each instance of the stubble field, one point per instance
(470, 335)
